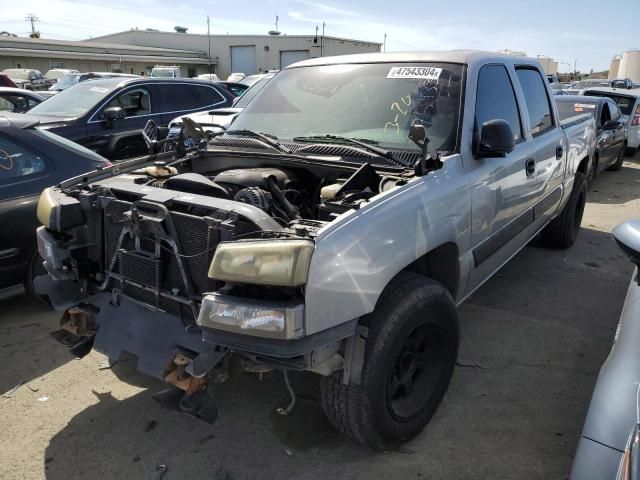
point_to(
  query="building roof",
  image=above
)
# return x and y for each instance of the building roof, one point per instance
(213, 36)
(48, 48)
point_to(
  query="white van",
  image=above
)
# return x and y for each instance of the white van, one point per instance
(165, 71)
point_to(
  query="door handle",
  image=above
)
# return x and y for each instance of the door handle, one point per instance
(530, 167)
(559, 152)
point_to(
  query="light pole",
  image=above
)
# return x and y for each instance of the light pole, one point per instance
(209, 41)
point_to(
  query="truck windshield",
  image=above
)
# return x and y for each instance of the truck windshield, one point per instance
(75, 101)
(370, 102)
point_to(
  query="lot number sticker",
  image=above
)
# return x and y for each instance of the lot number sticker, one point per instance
(426, 73)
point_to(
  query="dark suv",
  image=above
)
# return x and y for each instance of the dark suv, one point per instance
(107, 116)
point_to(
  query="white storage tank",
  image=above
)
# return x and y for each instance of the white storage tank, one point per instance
(630, 65)
(614, 67)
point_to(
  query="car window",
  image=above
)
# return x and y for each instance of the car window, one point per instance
(496, 99)
(536, 99)
(614, 110)
(6, 105)
(16, 103)
(625, 103)
(134, 102)
(571, 109)
(18, 163)
(605, 116)
(182, 97)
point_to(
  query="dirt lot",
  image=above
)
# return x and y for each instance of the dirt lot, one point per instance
(533, 340)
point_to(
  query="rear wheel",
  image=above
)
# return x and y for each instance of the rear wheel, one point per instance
(563, 230)
(35, 269)
(619, 159)
(410, 356)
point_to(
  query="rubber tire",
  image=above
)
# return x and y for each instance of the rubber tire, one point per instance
(563, 230)
(631, 151)
(618, 165)
(360, 411)
(35, 269)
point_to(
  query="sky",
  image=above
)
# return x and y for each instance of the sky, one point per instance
(589, 31)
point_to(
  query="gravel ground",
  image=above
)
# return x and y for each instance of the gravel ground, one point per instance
(533, 340)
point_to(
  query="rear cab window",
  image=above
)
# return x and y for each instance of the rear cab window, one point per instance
(536, 99)
(571, 109)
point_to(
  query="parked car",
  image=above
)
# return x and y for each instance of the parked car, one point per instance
(212, 77)
(31, 159)
(27, 78)
(629, 104)
(237, 89)
(611, 135)
(70, 79)
(55, 74)
(610, 443)
(107, 115)
(356, 201)
(578, 87)
(5, 81)
(18, 100)
(235, 77)
(217, 121)
(621, 83)
(165, 72)
(252, 79)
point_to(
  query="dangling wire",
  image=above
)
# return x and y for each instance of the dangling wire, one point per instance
(292, 403)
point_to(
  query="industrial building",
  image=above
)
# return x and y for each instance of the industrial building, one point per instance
(244, 53)
(138, 51)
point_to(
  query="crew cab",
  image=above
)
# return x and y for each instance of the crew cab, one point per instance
(354, 203)
(108, 115)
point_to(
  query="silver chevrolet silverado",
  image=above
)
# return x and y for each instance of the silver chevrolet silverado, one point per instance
(334, 228)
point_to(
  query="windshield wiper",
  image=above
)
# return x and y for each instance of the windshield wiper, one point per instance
(364, 143)
(265, 137)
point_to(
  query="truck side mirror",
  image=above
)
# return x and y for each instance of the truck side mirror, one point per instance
(627, 237)
(113, 113)
(495, 139)
(611, 125)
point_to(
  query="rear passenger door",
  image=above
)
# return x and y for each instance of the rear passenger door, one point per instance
(618, 133)
(546, 138)
(185, 98)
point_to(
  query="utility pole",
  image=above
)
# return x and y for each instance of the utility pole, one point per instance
(209, 41)
(575, 72)
(33, 19)
(322, 40)
(384, 43)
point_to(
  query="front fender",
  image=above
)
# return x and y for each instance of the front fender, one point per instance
(358, 254)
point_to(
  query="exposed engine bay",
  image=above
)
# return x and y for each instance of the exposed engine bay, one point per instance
(149, 233)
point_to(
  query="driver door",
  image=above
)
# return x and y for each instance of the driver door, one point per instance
(122, 137)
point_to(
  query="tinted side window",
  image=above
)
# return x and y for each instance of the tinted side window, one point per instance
(17, 162)
(535, 96)
(496, 100)
(615, 111)
(134, 102)
(182, 97)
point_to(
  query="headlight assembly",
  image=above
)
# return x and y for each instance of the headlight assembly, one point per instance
(282, 263)
(58, 211)
(48, 209)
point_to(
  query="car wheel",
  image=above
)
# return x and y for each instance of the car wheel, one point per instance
(35, 269)
(410, 355)
(619, 159)
(563, 230)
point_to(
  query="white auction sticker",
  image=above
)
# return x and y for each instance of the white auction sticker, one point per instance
(98, 89)
(584, 105)
(427, 73)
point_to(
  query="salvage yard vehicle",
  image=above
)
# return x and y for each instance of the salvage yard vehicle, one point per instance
(611, 136)
(70, 79)
(609, 446)
(18, 100)
(356, 202)
(28, 78)
(160, 71)
(108, 115)
(31, 159)
(628, 102)
(55, 74)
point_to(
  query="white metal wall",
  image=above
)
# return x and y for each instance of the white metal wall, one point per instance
(630, 65)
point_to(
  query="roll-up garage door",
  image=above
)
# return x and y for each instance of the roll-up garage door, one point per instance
(287, 57)
(243, 59)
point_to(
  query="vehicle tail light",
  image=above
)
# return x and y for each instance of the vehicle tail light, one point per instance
(635, 121)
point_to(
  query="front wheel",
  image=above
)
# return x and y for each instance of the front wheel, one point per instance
(410, 355)
(619, 159)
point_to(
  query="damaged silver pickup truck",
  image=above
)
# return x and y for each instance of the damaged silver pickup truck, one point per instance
(333, 228)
